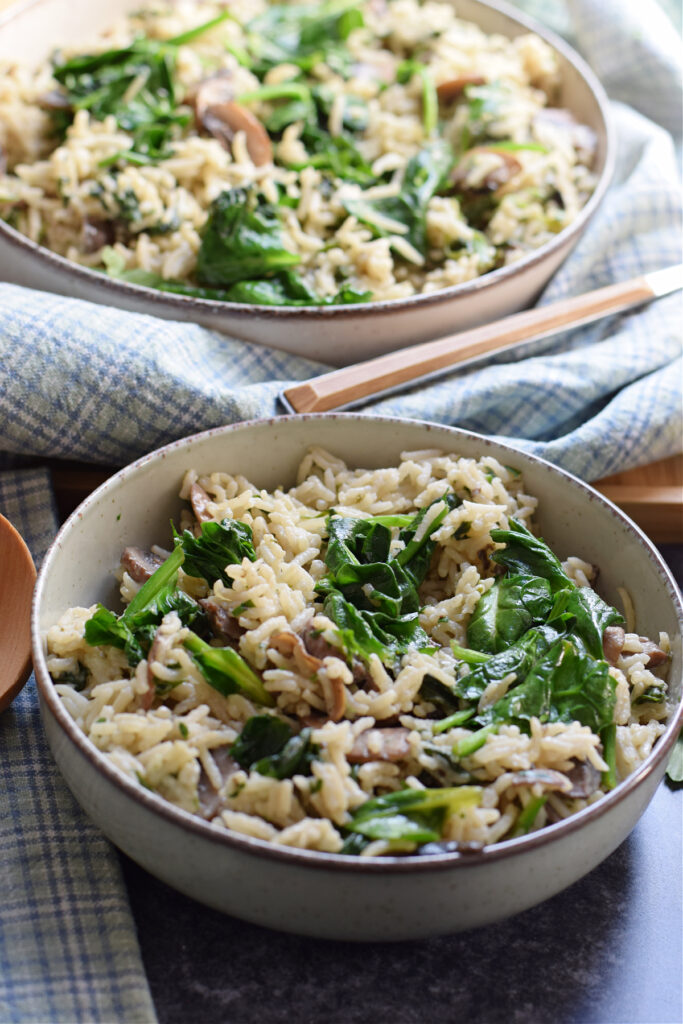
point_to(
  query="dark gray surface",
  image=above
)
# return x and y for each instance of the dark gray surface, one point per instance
(608, 950)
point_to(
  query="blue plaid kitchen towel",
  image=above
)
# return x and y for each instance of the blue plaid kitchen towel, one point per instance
(101, 385)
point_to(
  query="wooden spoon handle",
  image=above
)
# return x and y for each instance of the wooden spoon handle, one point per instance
(351, 384)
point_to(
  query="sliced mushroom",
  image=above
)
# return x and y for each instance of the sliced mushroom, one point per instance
(317, 645)
(546, 778)
(380, 745)
(292, 645)
(222, 116)
(454, 87)
(613, 639)
(222, 623)
(139, 563)
(656, 656)
(210, 799)
(224, 121)
(96, 234)
(495, 177)
(585, 779)
(200, 501)
(54, 100)
(211, 92)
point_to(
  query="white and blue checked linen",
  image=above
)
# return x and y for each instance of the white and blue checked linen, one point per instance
(104, 386)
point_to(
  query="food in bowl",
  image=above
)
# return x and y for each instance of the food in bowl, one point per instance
(371, 662)
(294, 154)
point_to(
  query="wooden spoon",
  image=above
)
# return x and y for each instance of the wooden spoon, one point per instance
(17, 579)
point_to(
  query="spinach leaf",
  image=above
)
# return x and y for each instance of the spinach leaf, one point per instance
(424, 175)
(226, 671)
(586, 615)
(219, 545)
(284, 289)
(288, 289)
(371, 597)
(78, 678)
(528, 555)
(135, 85)
(242, 239)
(336, 154)
(507, 610)
(261, 736)
(267, 745)
(578, 609)
(563, 686)
(518, 658)
(414, 815)
(485, 105)
(294, 758)
(303, 34)
(440, 695)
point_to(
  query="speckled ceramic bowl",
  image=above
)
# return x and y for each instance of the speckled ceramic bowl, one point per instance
(320, 894)
(341, 335)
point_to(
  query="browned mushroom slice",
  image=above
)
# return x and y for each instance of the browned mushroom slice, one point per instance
(656, 656)
(613, 639)
(292, 645)
(585, 779)
(210, 800)
(499, 175)
(200, 501)
(211, 92)
(380, 745)
(222, 622)
(454, 87)
(96, 234)
(317, 645)
(139, 563)
(221, 116)
(225, 120)
(546, 778)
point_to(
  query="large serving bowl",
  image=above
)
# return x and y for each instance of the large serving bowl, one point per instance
(317, 893)
(343, 334)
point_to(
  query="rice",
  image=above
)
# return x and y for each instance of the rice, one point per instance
(369, 724)
(519, 168)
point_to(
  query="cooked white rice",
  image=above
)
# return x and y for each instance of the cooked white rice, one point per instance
(173, 744)
(150, 218)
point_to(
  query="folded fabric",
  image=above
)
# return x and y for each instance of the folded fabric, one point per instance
(86, 382)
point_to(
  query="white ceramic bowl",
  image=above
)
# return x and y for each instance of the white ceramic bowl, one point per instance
(326, 894)
(340, 335)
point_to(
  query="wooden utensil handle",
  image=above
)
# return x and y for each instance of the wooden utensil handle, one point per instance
(353, 383)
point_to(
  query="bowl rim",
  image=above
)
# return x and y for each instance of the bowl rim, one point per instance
(183, 304)
(248, 845)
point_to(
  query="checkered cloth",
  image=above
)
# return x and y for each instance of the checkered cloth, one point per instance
(102, 385)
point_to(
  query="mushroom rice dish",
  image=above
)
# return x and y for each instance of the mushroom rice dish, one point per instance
(293, 154)
(372, 662)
